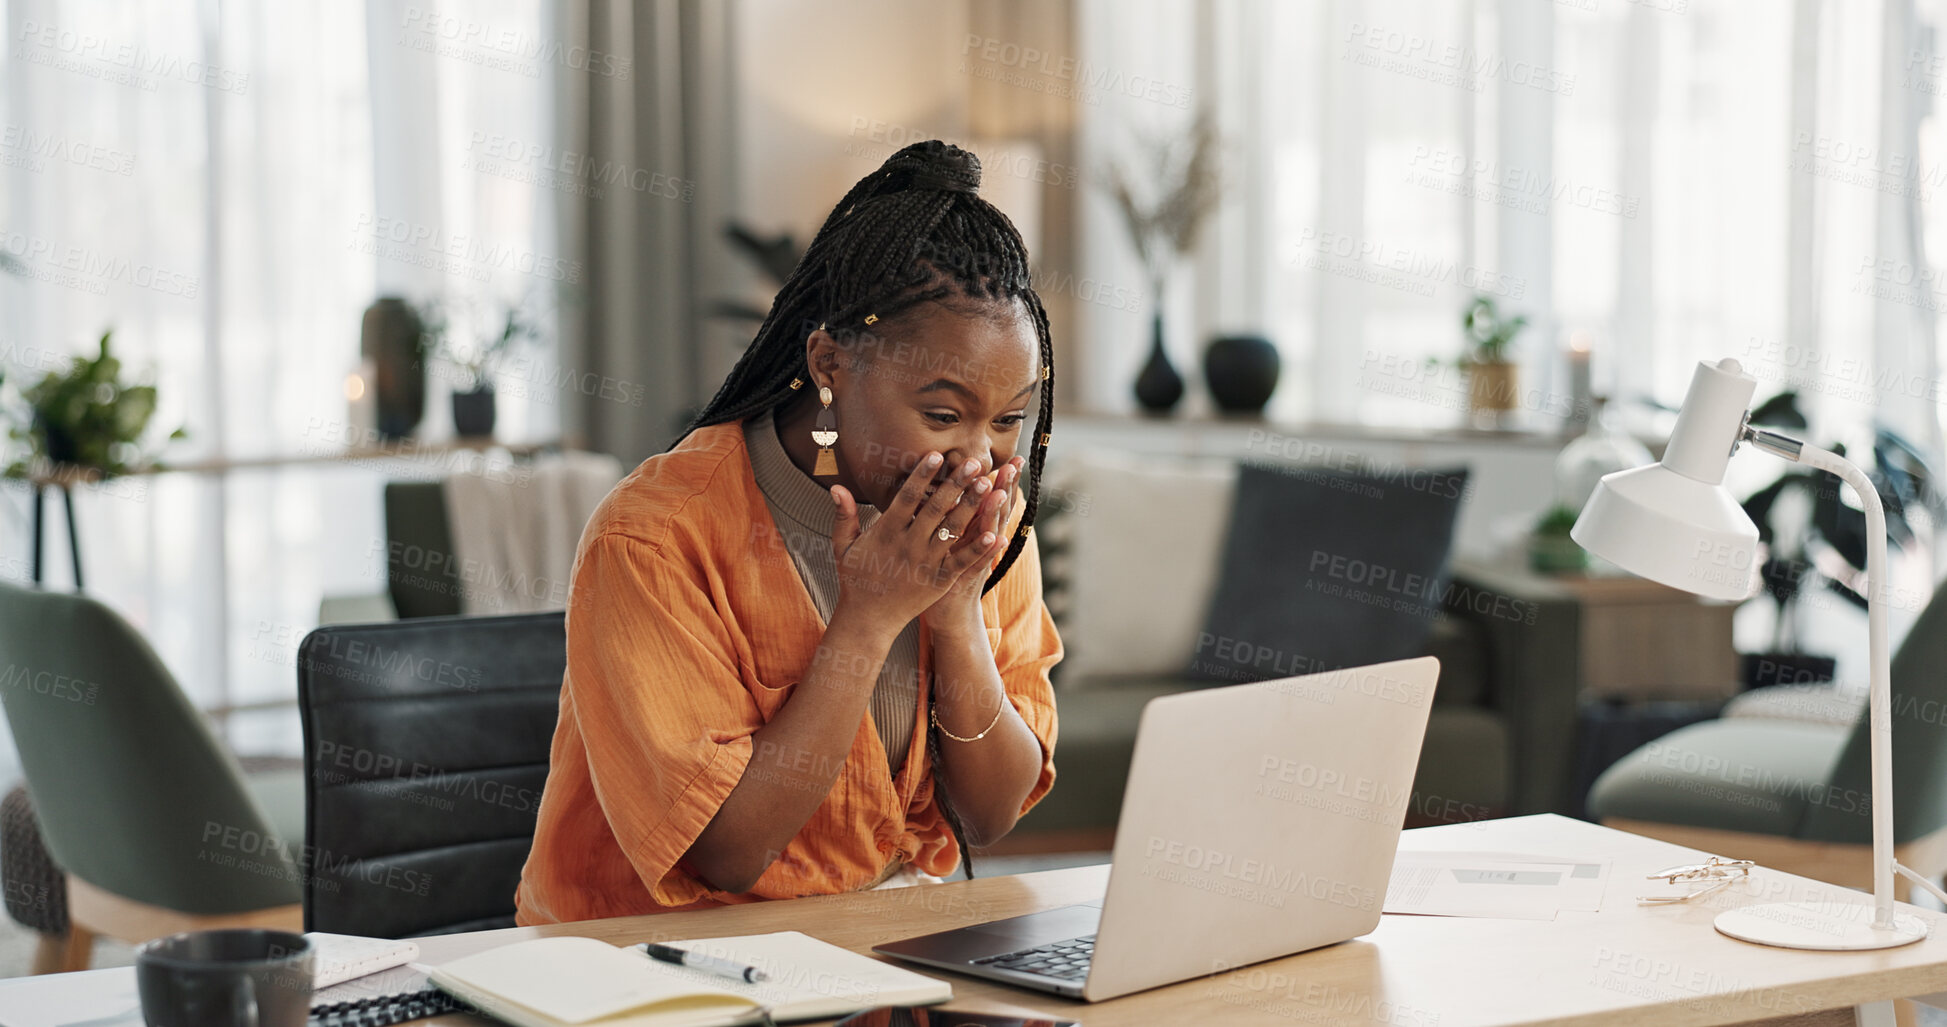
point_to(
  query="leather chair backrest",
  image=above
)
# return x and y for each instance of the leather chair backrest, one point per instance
(426, 744)
(1842, 810)
(133, 792)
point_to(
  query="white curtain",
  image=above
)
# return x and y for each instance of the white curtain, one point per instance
(211, 179)
(1670, 180)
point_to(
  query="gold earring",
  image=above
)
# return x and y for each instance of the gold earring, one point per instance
(824, 431)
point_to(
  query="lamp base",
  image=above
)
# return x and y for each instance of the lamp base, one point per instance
(1826, 926)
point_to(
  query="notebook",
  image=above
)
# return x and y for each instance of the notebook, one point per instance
(550, 982)
(343, 957)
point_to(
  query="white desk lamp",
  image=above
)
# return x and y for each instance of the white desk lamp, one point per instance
(1674, 522)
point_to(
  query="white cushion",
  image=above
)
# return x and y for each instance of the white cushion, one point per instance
(1825, 703)
(1148, 537)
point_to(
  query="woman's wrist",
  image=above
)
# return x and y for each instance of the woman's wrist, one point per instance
(858, 630)
(974, 722)
(956, 627)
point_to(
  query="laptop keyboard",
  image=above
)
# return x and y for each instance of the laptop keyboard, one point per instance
(1064, 960)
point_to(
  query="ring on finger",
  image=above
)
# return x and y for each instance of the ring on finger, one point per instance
(944, 535)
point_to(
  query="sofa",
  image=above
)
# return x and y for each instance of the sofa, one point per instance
(1131, 550)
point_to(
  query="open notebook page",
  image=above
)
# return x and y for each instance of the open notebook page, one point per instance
(578, 980)
(810, 978)
(581, 980)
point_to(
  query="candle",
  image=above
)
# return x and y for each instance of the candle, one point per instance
(1581, 403)
(362, 401)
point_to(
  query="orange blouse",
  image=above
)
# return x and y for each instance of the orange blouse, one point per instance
(688, 626)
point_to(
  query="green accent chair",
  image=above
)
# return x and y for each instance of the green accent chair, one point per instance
(156, 827)
(1797, 795)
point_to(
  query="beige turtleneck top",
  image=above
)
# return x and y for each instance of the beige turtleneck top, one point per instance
(805, 515)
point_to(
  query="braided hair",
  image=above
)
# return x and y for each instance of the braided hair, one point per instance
(913, 232)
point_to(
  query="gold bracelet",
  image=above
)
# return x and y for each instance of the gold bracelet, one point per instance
(933, 714)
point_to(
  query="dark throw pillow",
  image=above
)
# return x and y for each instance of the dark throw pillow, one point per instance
(1323, 569)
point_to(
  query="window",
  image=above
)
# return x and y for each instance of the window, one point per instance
(212, 182)
(1671, 180)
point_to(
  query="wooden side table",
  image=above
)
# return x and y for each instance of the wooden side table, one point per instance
(1646, 659)
(1640, 641)
(1645, 641)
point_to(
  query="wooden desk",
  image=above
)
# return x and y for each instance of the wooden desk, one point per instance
(1624, 965)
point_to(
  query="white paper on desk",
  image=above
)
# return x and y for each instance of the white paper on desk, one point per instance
(90, 998)
(108, 998)
(1496, 885)
(1582, 890)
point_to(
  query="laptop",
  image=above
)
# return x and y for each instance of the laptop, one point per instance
(1260, 820)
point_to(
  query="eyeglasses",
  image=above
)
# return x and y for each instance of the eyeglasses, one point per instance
(1713, 874)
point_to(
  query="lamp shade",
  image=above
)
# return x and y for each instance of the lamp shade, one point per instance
(1659, 524)
(1674, 522)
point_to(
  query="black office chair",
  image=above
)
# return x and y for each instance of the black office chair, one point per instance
(426, 744)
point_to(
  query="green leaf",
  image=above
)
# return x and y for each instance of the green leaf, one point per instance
(133, 412)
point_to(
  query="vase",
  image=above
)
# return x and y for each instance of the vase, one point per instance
(1241, 372)
(1158, 387)
(473, 413)
(389, 337)
(1602, 450)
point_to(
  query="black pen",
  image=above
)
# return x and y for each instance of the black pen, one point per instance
(699, 961)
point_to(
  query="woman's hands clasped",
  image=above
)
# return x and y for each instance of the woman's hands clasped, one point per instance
(901, 567)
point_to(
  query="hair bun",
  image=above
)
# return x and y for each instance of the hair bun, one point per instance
(937, 165)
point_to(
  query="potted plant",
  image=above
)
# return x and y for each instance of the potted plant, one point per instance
(776, 256)
(1803, 522)
(1550, 550)
(1162, 230)
(1491, 379)
(85, 420)
(473, 390)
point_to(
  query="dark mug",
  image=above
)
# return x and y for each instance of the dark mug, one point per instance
(232, 978)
